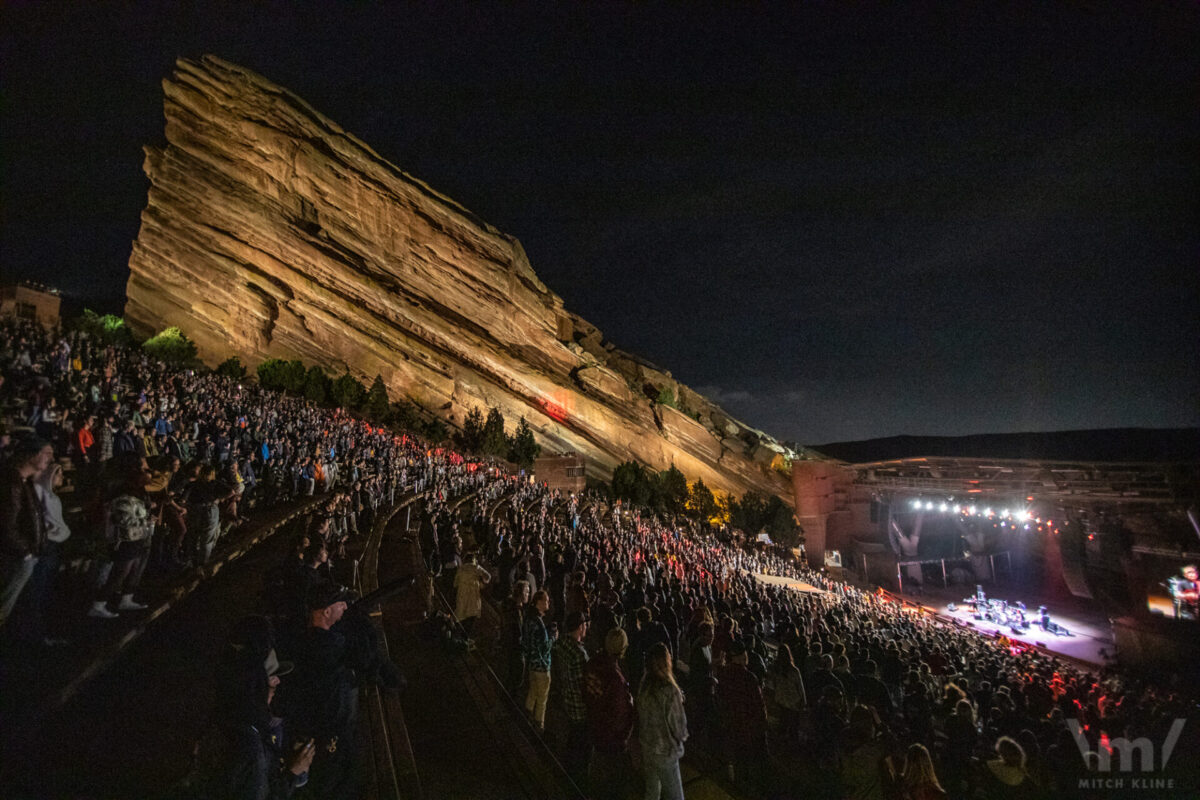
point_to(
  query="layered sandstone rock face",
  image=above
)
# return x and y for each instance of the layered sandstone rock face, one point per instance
(272, 232)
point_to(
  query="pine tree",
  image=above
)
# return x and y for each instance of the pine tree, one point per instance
(523, 449)
(672, 490)
(377, 403)
(495, 443)
(701, 503)
(471, 437)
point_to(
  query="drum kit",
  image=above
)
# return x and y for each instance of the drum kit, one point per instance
(1004, 614)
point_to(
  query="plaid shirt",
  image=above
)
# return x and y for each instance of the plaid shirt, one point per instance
(536, 643)
(567, 680)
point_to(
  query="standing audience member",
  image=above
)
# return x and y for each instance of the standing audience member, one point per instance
(46, 570)
(743, 715)
(610, 718)
(22, 521)
(918, 781)
(537, 642)
(246, 753)
(469, 580)
(662, 726)
(568, 661)
(128, 529)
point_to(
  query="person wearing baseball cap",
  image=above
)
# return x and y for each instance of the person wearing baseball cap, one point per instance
(568, 660)
(325, 692)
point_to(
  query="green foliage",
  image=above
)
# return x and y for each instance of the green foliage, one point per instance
(749, 513)
(666, 397)
(232, 368)
(495, 441)
(377, 404)
(523, 449)
(435, 431)
(268, 373)
(405, 417)
(316, 386)
(172, 346)
(294, 375)
(631, 483)
(672, 491)
(755, 513)
(470, 438)
(347, 392)
(701, 504)
(109, 328)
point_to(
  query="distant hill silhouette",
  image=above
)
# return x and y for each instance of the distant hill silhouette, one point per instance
(1110, 444)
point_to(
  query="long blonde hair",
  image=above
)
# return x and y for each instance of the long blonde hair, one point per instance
(918, 768)
(658, 669)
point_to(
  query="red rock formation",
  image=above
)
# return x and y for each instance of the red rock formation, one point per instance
(271, 232)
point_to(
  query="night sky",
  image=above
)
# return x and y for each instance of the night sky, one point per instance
(838, 221)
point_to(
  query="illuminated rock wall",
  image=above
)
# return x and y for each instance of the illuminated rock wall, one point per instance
(271, 232)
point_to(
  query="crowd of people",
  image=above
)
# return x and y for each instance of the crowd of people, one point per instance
(629, 639)
(164, 463)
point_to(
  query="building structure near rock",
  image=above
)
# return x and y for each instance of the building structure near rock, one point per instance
(31, 301)
(271, 232)
(563, 471)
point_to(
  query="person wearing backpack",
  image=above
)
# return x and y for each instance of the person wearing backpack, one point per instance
(128, 528)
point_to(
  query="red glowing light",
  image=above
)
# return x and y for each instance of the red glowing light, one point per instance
(554, 411)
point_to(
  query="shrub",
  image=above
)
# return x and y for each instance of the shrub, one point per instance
(405, 417)
(347, 392)
(172, 346)
(232, 368)
(316, 385)
(631, 483)
(270, 373)
(109, 328)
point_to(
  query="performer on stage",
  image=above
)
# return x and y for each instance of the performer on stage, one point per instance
(1185, 593)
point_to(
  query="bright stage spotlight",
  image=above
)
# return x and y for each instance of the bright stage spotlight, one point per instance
(942, 507)
(929, 506)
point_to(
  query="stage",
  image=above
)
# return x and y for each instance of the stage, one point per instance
(1091, 632)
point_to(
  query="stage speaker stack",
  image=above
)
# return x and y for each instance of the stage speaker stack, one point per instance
(1072, 544)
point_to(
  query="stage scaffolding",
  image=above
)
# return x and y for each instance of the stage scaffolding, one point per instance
(945, 579)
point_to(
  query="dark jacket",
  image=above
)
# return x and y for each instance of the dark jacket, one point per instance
(240, 762)
(609, 704)
(22, 529)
